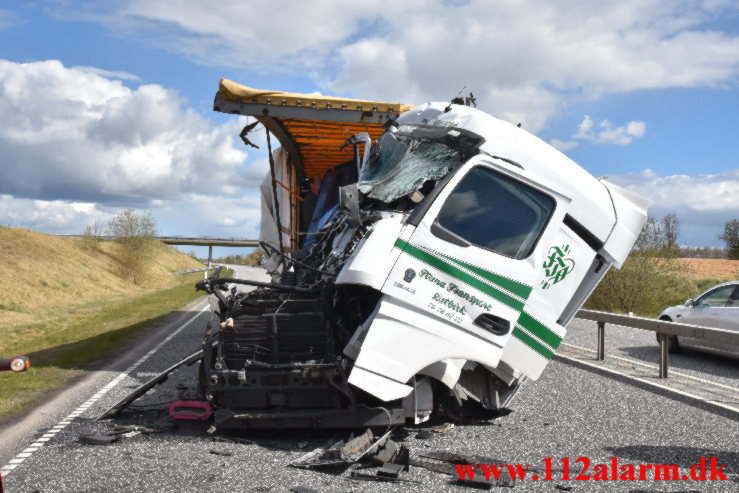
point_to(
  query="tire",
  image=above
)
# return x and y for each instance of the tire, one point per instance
(673, 346)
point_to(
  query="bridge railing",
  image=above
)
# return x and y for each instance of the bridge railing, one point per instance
(663, 328)
(184, 240)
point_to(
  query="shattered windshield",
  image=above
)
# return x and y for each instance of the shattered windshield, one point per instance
(402, 161)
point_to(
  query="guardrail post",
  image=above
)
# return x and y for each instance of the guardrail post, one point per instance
(210, 259)
(601, 354)
(663, 346)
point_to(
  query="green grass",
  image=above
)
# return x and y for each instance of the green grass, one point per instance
(58, 354)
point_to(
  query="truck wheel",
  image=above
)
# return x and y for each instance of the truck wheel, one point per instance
(673, 346)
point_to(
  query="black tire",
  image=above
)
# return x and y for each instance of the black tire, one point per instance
(673, 346)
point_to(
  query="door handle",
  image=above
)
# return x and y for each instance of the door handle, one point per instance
(497, 325)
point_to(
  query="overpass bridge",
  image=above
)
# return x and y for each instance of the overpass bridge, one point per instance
(208, 241)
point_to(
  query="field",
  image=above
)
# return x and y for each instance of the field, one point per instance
(709, 268)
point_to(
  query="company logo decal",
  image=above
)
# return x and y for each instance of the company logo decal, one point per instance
(557, 265)
(409, 275)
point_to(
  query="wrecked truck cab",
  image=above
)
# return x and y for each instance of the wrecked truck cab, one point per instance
(436, 273)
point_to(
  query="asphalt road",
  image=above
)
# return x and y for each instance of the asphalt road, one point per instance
(571, 411)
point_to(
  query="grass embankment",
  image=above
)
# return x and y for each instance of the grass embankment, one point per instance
(63, 305)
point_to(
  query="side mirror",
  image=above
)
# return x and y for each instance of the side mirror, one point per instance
(689, 303)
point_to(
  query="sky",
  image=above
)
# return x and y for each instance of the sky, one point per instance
(107, 105)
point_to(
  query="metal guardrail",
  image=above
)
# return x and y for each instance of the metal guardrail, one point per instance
(204, 269)
(663, 328)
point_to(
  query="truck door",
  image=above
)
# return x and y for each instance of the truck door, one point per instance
(475, 255)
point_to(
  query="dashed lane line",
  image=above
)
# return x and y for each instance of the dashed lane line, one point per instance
(52, 432)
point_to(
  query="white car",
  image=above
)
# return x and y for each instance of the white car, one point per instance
(717, 307)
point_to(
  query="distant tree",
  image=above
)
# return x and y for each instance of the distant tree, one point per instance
(731, 237)
(702, 252)
(634, 287)
(134, 233)
(671, 230)
(91, 235)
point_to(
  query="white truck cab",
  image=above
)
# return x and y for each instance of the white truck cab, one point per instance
(445, 260)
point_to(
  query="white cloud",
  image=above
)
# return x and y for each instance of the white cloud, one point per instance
(72, 134)
(192, 215)
(584, 129)
(605, 133)
(53, 216)
(110, 74)
(610, 135)
(702, 193)
(203, 215)
(522, 59)
(703, 202)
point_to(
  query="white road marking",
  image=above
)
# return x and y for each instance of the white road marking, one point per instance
(656, 368)
(51, 433)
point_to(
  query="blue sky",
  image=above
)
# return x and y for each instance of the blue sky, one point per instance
(107, 105)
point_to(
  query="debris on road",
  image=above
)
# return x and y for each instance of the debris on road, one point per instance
(98, 438)
(130, 428)
(443, 428)
(220, 452)
(372, 477)
(341, 453)
(141, 390)
(226, 439)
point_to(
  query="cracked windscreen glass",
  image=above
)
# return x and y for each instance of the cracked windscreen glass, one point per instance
(401, 164)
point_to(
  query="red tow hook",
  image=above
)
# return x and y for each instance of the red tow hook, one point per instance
(17, 364)
(190, 410)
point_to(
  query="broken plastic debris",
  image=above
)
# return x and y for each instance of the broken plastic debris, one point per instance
(385, 453)
(342, 453)
(390, 470)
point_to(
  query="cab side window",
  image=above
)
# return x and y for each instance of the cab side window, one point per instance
(716, 298)
(496, 212)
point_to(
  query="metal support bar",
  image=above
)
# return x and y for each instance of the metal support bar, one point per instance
(601, 354)
(210, 260)
(663, 347)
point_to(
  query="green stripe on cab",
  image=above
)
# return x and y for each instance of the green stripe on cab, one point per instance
(459, 274)
(539, 330)
(532, 343)
(514, 287)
